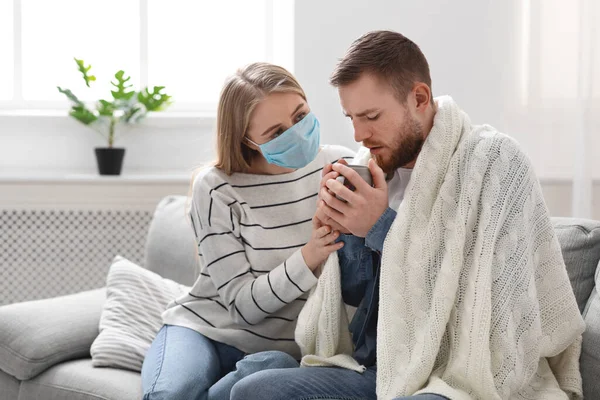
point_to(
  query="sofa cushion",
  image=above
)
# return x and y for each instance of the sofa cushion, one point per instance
(9, 387)
(36, 335)
(580, 244)
(131, 318)
(79, 380)
(170, 245)
(590, 350)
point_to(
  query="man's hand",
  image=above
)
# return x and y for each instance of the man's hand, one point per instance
(364, 206)
(320, 216)
(329, 173)
(322, 219)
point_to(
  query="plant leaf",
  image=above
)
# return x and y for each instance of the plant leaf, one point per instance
(106, 108)
(154, 101)
(133, 114)
(70, 96)
(82, 114)
(121, 92)
(84, 71)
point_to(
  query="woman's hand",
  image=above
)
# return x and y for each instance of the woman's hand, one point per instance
(320, 245)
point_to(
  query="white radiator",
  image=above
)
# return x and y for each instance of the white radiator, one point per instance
(46, 253)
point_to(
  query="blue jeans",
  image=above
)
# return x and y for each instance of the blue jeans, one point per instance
(312, 383)
(184, 364)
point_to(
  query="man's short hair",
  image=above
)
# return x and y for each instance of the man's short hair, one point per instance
(388, 55)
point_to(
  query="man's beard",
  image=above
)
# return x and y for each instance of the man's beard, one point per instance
(405, 148)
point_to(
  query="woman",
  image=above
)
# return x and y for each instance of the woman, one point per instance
(252, 216)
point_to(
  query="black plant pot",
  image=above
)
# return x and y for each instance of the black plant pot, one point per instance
(110, 160)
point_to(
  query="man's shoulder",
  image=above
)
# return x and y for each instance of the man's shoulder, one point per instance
(485, 140)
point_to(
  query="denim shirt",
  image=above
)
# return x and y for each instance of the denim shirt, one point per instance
(360, 259)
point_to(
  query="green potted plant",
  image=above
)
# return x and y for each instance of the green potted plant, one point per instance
(127, 106)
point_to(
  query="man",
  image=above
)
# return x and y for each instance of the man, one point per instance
(461, 289)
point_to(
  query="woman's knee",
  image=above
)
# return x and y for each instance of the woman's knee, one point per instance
(181, 364)
(257, 386)
(270, 360)
(173, 391)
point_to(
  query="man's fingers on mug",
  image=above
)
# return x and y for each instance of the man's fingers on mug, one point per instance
(327, 169)
(335, 215)
(333, 201)
(354, 177)
(328, 176)
(337, 195)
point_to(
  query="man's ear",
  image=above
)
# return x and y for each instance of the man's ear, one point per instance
(422, 94)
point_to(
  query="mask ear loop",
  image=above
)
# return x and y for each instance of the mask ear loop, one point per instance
(258, 150)
(251, 141)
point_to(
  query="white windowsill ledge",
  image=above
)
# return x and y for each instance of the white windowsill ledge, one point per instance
(65, 113)
(166, 119)
(93, 178)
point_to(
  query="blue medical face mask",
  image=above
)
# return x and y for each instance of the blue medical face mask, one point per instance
(296, 147)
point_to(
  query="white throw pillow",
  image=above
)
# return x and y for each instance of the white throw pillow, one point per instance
(131, 317)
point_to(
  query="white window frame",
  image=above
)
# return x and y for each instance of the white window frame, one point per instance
(19, 106)
(529, 42)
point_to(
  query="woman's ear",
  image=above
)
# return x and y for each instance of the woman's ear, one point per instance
(250, 144)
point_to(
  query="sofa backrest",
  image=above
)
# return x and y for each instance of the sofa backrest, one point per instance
(580, 244)
(170, 245)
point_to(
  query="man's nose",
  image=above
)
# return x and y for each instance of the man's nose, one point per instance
(361, 132)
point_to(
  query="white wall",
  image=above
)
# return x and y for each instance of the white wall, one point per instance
(473, 51)
(473, 74)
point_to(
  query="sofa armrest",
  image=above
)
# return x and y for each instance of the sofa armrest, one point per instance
(36, 335)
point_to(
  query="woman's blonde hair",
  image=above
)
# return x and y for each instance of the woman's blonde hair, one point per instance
(239, 97)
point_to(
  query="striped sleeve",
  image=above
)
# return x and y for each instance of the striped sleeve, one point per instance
(248, 298)
(335, 153)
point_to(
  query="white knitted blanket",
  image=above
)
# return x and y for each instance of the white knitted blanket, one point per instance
(323, 338)
(475, 301)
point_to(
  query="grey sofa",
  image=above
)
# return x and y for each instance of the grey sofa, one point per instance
(44, 345)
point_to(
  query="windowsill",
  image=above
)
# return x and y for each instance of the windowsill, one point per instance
(64, 113)
(92, 177)
(60, 113)
(163, 119)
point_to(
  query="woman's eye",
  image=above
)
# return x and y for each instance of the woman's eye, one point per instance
(373, 118)
(277, 133)
(300, 116)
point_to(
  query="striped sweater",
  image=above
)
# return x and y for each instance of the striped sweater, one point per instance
(253, 280)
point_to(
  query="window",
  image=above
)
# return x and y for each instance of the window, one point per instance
(560, 51)
(188, 46)
(53, 32)
(6, 50)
